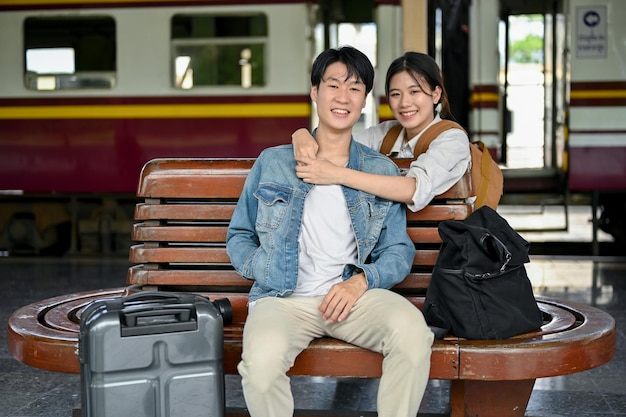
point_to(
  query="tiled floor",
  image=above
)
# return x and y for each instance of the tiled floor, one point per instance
(601, 392)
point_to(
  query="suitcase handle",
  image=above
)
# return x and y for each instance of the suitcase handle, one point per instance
(164, 314)
(161, 296)
(156, 317)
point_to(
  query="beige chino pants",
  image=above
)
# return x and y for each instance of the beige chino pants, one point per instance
(278, 329)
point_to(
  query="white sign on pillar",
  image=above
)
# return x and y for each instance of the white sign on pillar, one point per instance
(591, 32)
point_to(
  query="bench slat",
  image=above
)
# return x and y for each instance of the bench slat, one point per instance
(415, 282)
(179, 210)
(178, 254)
(182, 211)
(439, 212)
(194, 234)
(222, 186)
(224, 178)
(146, 253)
(219, 178)
(150, 232)
(141, 275)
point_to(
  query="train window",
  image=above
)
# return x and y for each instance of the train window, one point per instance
(218, 50)
(64, 53)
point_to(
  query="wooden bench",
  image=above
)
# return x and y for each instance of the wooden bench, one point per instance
(182, 220)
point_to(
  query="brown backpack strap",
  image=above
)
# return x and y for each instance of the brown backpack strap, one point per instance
(485, 175)
(390, 139)
(431, 133)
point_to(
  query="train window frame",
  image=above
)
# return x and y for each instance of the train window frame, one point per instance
(73, 40)
(241, 48)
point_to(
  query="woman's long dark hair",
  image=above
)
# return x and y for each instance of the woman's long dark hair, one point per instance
(423, 69)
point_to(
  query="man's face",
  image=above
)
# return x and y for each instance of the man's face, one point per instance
(339, 100)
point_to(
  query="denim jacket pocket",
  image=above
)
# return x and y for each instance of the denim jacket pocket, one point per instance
(377, 210)
(273, 202)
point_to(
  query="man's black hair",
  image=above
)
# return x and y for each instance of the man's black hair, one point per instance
(357, 62)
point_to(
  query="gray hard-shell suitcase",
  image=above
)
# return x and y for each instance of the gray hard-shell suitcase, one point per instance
(153, 354)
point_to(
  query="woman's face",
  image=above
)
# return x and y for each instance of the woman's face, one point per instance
(412, 103)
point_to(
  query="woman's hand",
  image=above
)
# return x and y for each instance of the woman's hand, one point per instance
(318, 171)
(304, 145)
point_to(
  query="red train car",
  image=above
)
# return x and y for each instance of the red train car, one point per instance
(92, 90)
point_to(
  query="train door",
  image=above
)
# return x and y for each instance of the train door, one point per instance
(355, 23)
(518, 73)
(531, 81)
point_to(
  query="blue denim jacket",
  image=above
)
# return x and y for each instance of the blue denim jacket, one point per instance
(262, 239)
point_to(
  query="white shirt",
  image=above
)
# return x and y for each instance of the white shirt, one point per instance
(436, 170)
(327, 242)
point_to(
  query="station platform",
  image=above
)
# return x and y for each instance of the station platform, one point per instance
(563, 268)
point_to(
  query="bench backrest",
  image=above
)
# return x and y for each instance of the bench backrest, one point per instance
(183, 214)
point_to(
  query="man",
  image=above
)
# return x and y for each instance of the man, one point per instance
(323, 257)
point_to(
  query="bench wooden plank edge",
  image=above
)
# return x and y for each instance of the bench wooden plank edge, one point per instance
(193, 173)
(586, 345)
(54, 346)
(40, 344)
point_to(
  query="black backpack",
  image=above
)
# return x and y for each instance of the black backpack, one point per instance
(479, 288)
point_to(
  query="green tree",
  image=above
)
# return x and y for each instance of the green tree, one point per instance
(527, 51)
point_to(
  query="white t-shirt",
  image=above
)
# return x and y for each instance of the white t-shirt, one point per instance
(327, 242)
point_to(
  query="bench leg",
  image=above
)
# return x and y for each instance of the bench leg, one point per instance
(490, 398)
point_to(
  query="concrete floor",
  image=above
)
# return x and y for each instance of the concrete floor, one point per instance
(599, 281)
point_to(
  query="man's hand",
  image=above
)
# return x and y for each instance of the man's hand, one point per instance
(339, 301)
(304, 145)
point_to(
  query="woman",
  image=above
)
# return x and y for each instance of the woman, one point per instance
(418, 99)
